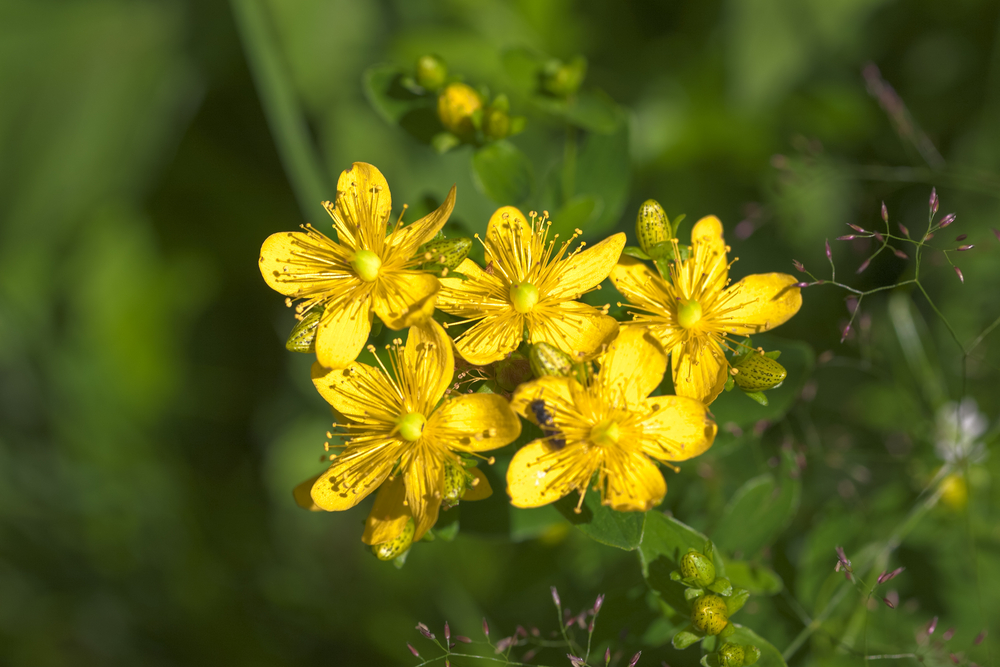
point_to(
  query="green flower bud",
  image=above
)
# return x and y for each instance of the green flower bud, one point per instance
(431, 72)
(512, 371)
(731, 655)
(496, 123)
(651, 225)
(751, 654)
(757, 372)
(564, 79)
(455, 484)
(303, 336)
(397, 546)
(546, 359)
(456, 104)
(447, 252)
(695, 566)
(709, 614)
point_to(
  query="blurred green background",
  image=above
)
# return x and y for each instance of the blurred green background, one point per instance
(152, 424)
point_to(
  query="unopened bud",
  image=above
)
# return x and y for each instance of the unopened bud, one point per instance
(884, 577)
(496, 123)
(546, 359)
(798, 266)
(696, 566)
(446, 252)
(933, 203)
(899, 253)
(598, 603)
(864, 265)
(651, 225)
(800, 285)
(829, 253)
(709, 614)
(555, 596)
(398, 545)
(948, 634)
(996, 233)
(456, 104)
(759, 373)
(751, 654)
(902, 228)
(413, 650)
(963, 248)
(456, 481)
(431, 72)
(731, 655)
(635, 659)
(961, 237)
(486, 628)
(425, 631)
(888, 603)
(947, 220)
(564, 79)
(849, 237)
(447, 632)
(958, 272)
(885, 213)
(303, 336)
(979, 638)
(932, 626)
(607, 656)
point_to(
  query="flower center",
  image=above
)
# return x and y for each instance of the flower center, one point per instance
(688, 313)
(366, 264)
(523, 297)
(605, 434)
(410, 426)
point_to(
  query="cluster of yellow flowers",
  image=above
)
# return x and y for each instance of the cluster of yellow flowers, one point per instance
(409, 435)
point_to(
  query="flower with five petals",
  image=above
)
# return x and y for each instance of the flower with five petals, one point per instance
(610, 428)
(363, 271)
(697, 311)
(401, 436)
(529, 286)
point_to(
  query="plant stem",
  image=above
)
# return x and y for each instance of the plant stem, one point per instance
(281, 107)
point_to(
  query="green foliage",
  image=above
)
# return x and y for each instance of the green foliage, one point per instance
(502, 172)
(603, 524)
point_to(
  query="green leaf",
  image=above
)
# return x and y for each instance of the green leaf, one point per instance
(502, 172)
(591, 110)
(754, 577)
(603, 524)
(578, 211)
(759, 511)
(442, 142)
(447, 524)
(635, 251)
(664, 541)
(734, 408)
(604, 171)
(383, 86)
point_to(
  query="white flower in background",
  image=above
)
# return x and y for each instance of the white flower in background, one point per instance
(958, 430)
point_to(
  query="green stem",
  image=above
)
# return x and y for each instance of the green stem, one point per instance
(281, 107)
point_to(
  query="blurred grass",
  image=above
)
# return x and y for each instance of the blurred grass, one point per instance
(152, 425)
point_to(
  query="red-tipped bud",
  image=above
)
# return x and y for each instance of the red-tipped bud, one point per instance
(884, 577)
(575, 661)
(425, 631)
(979, 638)
(996, 233)
(888, 603)
(463, 639)
(849, 237)
(902, 228)
(598, 603)
(963, 248)
(800, 285)
(961, 237)
(947, 220)
(842, 557)
(857, 228)
(878, 237)
(864, 265)
(958, 272)
(520, 631)
(829, 253)
(414, 651)
(885, 213)
(954, 658)
(555, 596)
(843, 337)
(932, 626)
(933, 203)
(504, 644)
(486, 628)
(899, 253)
(802, 269)
(948, 634)
(447, 632)
(607, 656)
(635, 659)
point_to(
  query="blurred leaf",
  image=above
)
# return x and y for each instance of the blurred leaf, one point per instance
(577, 212)
(385, 91)
(759, 511)
(754, 577)
(769, 655)
(591, 110)
(604, 171)
(736, 408)
(502, 172)
(601, 523)
(664, 541)
(528, 524)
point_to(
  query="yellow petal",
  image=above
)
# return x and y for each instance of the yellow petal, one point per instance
(634, 484)
(575, 328)
(465, 298)
(585, 270)
(359, 392)
(555, 391)
(481, 489)
(474, 423)
(507, 224)
(289, 264)
(342, 332)
(677, 428)
(699, 369)
(759, 303)
(403, 242)
(491, 338)
(424, 484)
(404, 298)
(708, 248)
(389, 514)
(428, 353)
(530, 481)
(350, 479)
(302, 495)
(363, 207)
(633, 366)
(638, 283)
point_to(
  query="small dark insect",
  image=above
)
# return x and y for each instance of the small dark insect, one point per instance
(489, 268)
(544, 419)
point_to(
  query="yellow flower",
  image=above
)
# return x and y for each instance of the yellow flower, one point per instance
(608, 427)
(529, 285)
(364, 271)
(694, 314)
(396, 431)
